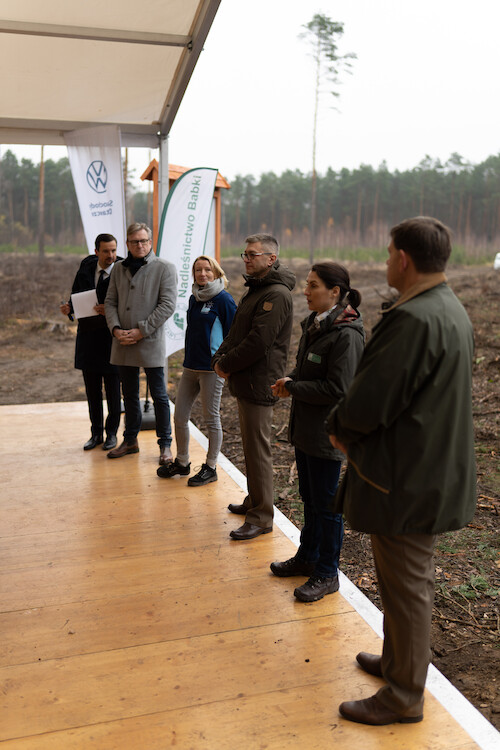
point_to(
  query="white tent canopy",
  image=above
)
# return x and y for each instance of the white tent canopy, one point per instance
(69, 64)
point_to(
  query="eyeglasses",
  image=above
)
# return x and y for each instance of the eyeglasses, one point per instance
(136, 243)
(251, 256)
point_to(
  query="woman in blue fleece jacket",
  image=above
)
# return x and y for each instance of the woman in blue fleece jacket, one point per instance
(209, 317)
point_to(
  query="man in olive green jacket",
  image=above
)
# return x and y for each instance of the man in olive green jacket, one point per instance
(252, 357)
(406, 427)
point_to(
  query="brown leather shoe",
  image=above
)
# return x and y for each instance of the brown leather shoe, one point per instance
(165, 455)
(123, 449)
(371, 663)
(248, 531)
(241, 510)
(372, 711)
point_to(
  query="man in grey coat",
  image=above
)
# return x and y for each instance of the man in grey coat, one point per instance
(141, 297)
(406, 427)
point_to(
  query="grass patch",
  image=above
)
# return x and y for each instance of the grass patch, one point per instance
(461, 255)
(476, 587)
(473, 542)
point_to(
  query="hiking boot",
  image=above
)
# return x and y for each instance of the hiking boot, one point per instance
(292, 567)
(316, 588)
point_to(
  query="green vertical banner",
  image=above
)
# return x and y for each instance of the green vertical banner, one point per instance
(183, 236)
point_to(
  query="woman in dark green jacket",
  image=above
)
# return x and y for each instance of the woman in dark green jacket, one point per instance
(329, 352)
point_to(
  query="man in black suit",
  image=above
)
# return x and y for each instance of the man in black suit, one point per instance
(93, 344)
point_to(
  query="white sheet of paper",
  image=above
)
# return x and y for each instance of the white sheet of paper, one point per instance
(84, 303)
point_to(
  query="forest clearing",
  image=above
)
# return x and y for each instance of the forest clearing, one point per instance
(36, 365)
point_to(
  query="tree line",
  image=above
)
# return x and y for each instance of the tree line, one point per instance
(20, 203)
(355, 208)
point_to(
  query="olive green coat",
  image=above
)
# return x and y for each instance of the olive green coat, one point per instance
(407, 420)
(327, 359)
(255, 350)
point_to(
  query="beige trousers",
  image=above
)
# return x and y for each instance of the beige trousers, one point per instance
(405, 571)
(255, 426)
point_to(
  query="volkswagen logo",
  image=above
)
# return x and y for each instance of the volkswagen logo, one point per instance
(97, 176)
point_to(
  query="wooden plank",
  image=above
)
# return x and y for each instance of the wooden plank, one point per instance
(129, 618)
(92, 490)
(162, 613)
(59, 583)
(242, 667)
(299, 718)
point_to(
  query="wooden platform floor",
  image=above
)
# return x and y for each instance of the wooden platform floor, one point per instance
(130, 620)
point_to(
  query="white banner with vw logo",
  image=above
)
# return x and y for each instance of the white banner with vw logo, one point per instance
(96, 166)
(183, 236)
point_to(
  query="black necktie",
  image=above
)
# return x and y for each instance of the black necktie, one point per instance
(101, 288)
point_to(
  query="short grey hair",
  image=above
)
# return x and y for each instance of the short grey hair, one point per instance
(136, 227)
(268, 242)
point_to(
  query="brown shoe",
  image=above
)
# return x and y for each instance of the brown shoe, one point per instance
(371, 663)
(248, 531)
(165, 455)
(372, 711)
(123, 449)
(241, 510)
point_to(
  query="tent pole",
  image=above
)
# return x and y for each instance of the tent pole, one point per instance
(163, 186)
(163, 183)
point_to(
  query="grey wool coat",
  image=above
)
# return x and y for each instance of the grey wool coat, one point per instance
(144, 301)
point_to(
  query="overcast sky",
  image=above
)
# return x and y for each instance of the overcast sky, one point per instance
(425, 82)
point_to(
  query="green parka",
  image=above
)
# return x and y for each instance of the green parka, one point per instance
(255, 350)
(327, 358)
(407, 420)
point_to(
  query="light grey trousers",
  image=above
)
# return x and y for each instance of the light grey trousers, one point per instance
(209, 385)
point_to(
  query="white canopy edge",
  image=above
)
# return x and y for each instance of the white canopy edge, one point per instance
(51, 133)
(102, 35)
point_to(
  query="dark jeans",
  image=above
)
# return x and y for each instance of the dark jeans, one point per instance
(93, 389)
(133, 415)
(323, 531)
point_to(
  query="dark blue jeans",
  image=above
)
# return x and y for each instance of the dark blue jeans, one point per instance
(133, 415)
(323, 531)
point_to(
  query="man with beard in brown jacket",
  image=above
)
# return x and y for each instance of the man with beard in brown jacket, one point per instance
(252, 357)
